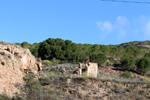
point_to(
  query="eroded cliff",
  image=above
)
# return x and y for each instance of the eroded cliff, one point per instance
(15, 63)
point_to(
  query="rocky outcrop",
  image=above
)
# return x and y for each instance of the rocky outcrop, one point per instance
(15, 63)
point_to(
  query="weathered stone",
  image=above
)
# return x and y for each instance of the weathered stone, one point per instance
(15, 62)
(92, 69)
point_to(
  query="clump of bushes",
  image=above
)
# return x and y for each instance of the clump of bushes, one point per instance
(44, 81)
(99, 58)
(127, 63)
(146, 79)
(143, 65)
(147, 55)
(4, 97)
(47, 62)
(32, 87)
(55, 61)
(126, 75)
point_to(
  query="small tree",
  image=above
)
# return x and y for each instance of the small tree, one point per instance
(25, 45)
(143, 65)
(100, 58)
(127, 63)
(44, 81)
(147, 55)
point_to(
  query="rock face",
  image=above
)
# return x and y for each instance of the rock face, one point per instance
(15, 63)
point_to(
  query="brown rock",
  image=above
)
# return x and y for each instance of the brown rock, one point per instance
(15, 62)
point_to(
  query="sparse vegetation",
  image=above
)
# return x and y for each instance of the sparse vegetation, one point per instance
(146, 79)
(44, 81)
(56, 81)
(126, 75)
(32, 87)
(4, 97)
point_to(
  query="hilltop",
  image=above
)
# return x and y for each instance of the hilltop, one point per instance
(137, 43)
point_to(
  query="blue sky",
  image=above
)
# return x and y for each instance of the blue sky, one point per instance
(81, 21)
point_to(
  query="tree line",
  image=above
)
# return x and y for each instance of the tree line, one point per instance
(67, 51)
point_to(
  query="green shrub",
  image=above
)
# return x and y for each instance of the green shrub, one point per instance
(25, 45)
(29, 77)
(126, 75)
(114, 61)
(45, 81)
(100, 58)
(32, 86)
(127, 63)
(47, 62)
(147, 55)
(132, 50)
(4, 97)
(17, 98)
(146, 79)
(143, 65)
(55, 61)
(128, 89)
(84, 76)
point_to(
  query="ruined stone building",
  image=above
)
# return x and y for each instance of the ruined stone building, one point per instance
(91, 69)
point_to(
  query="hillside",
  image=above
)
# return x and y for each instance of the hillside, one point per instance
(123, 71)
(140, 44)
(57, 82)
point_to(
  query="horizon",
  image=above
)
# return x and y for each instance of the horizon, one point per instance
(85, 22)
(72, 41)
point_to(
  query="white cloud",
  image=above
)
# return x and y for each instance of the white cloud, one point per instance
(122, 27)
(105, 26)
(122, 21)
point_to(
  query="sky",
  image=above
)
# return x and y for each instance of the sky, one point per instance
(81, 21)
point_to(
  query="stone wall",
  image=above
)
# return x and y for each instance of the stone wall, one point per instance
(91, 69)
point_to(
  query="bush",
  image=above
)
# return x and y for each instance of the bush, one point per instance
(44, 81)
(147, 55)
(143, 65)
(127, 63)
(126, 75)
(47, 63)
(55, 61)
(32, 87)
(100, 58)
(146, 79)
(133, 50)
(25, 45)
(4, 97)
